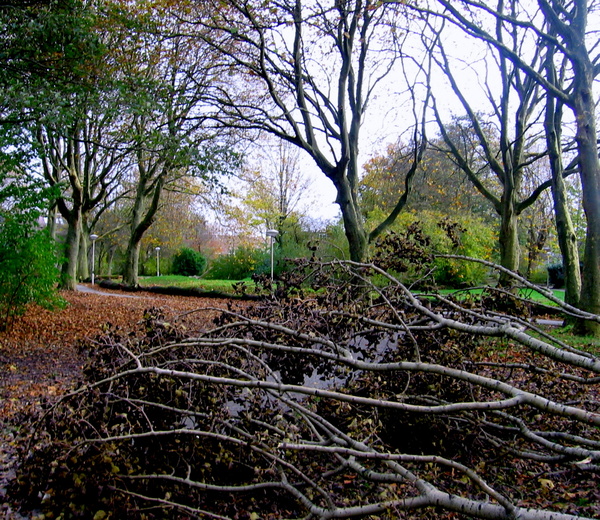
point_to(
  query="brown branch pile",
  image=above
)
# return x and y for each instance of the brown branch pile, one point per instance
(360, 399)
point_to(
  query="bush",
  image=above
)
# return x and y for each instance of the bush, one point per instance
(148, 266)
(539, 276)
(188, 263)
(28, 272)
(240, 264)
(462, 235)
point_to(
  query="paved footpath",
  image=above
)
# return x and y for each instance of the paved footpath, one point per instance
(91, 290)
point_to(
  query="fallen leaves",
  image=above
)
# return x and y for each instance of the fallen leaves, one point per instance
(39, 357)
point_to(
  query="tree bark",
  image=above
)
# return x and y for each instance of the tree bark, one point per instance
(148, 194)
(68, 279)
(353, 223)
(51, 225)
(83, 268)
(510, 250)
(567, 239)
(590, 182)
(132, 256)
(74, 215)
(584, 107)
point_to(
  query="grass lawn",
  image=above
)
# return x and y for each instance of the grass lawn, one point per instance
(524, 293)
(191, 282)
(226, 286)
(586, 343)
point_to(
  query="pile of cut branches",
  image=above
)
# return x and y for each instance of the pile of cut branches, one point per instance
(360, 399)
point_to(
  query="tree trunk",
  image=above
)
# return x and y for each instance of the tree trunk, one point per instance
(580, 98)
(589, 167)
(353, 222)
(68, 278)
(508, 239)
(567, 239)
(51, 224)
(110, 260)
(130, 273)
(355, 233)
(83, 270)
(143, 215)
(132, 256)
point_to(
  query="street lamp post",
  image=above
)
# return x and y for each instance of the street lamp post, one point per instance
(93, 238)
(157, 249)
(272, 234)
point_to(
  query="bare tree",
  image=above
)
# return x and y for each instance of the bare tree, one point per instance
(563, 27)
(307, 73)
(508, 150)
(86, 162)
(166, 120)
(567, 238)
(273, 191)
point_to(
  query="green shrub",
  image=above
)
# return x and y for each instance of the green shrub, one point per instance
(148, 266)
(460, 235)
(476, 240)
(539, 275)
(28, 256)
(28, 272)
(188, 263)
(240, 264)
(331, 243)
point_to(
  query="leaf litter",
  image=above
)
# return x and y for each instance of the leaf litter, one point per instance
(40, 359)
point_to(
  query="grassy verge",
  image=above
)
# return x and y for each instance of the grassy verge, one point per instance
(530, 294)
(565, 334)
(187, 282)
(538, 297)
(227, 286)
